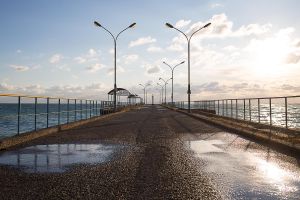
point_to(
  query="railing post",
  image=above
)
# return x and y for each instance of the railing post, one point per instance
(86, 110)
(68, 104)
(250, 109)
(58, 114)
(19, 113)
(231, 108)
(90, 108)
(286, 112)
(215, 106)
(258, 109)
(47, 112)
(226, 107)
(35, 112)
(96, 108)
(218, 107)
(223, 107)
(93, 108)
(80, 109)
(75, 110)
(236, 109)
(244, 109)
(270, 104)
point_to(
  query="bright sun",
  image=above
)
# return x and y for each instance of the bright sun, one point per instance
(268, 56)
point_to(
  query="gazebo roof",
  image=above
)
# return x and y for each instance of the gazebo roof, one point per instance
(120, 92)
(131, 96)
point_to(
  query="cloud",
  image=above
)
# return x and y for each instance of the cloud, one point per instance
(153, 69)
(291, 88)
(230, 48)
(96, 91)
(90, 56)
(215, 5)
(292, 58)
(130, 58)
(20, 68)
(175, 47)
(56, 58)
(95, 67)
(252, 29)
(63, 67)
(142, 41)
(19, 51)
(182, 23)
(80, 60)
(221, 26)
(154, 49)
(120, 69)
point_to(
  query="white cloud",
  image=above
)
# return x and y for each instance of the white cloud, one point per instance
(80, 59)
(151, 69)
(90, 56)
(142, 41)
(215, 5)
(252, 29)
(154, 49)
(20, 68)
(95, 67)
(230, 48)
(292, 58)
(120, 69)
(64, 67)
(19, 51)
(175, 47)
(56, 58)
(130, 58)
(182, 23)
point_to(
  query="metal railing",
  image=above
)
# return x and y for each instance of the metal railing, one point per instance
(274, 111)
(22, 113)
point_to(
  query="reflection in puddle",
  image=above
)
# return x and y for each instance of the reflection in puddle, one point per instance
(247, 174)
(57, 157)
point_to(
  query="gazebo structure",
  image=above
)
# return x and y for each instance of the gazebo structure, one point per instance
(121, 94)
(132, 99)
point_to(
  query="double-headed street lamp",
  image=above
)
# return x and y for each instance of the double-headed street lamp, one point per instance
(172, 69)
(115, 61)
(166, 82)
(188, 41)
(144, 87)
(162, 92)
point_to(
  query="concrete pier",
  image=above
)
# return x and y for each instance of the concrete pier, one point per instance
(151, 153)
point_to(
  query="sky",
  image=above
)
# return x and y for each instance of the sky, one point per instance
(52, 48)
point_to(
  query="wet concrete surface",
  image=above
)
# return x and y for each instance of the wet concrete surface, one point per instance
(168, 155)
(57, 157)
(245, 170)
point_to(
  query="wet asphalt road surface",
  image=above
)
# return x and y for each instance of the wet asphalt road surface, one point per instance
(148, 153)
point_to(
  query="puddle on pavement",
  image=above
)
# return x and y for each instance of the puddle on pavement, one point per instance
(247, 175)
(57, 157)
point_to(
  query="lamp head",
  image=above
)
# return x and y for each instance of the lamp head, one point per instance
(132, 25)
(207, 25)
(169, 25)
(182, 62)
(97, 24)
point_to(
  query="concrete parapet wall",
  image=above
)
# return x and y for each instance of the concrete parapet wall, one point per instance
(286, 139)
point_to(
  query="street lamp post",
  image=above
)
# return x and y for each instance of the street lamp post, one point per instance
(172, 69)
(144, 88)
(162, 92)
(115, 57)
(166, 82)
(188, 41)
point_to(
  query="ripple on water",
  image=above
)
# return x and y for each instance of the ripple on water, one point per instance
(57, 157)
